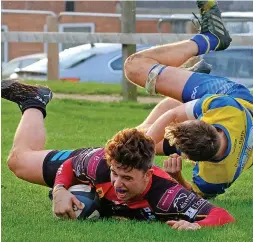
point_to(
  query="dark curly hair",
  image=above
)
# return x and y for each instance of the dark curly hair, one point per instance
(131, 148)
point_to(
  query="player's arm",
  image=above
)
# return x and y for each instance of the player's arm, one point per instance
(70, 172)
(179, 114)
(184, 210)
(63, 200)
(173, 166)
(180, 179)
(216, 217)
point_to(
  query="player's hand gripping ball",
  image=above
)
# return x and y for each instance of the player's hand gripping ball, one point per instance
(89, 198)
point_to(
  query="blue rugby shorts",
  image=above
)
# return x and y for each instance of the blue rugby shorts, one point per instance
(200, 84)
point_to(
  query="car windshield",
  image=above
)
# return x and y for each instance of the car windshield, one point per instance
(68, 58)
(231, 63)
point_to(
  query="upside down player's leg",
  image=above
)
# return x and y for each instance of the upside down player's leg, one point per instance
(162, 107)
(155, 68)
(171, 80)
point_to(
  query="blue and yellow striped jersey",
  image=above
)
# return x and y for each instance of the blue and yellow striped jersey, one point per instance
(235, 117)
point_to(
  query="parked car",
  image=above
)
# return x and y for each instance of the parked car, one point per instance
(98, 63)
(18, 63)
(235, 63)
(103, 63)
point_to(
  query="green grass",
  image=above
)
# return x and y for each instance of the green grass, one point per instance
(26, 209)
(86, 88)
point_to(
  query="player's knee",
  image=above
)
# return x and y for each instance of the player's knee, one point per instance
(11, 161)
(131, 67)
(14, 162)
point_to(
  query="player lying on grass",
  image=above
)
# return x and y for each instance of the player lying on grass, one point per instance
(123, 173)
(214, 125)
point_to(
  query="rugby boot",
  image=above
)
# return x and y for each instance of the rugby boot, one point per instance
(211, 21)
(201, 67)
(26, 96)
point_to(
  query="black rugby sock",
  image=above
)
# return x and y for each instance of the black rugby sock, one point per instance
(31, 103)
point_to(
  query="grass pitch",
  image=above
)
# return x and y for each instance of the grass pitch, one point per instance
(86, 88)
(26, 209)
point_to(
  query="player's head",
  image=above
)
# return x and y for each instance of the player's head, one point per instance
(198, 140)
(130, 155)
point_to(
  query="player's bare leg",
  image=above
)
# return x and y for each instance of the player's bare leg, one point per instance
(27, 154)
(162, 107)
(172, 80)
(148, 66)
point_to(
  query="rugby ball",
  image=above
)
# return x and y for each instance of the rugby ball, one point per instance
(89, 198)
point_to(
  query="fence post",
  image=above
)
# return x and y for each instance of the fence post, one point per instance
(128, 23)
(52, 51)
